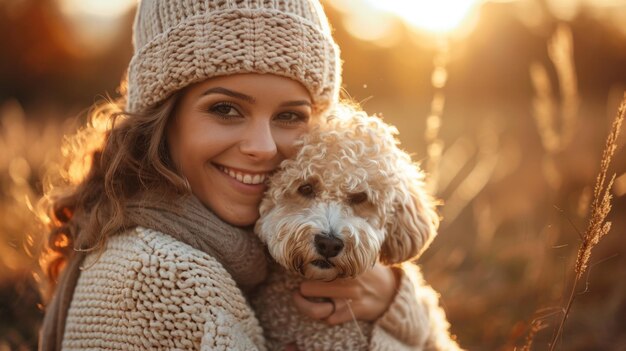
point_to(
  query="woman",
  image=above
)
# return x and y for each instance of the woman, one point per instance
(155, 240)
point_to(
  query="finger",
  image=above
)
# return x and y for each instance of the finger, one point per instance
(344, 312)
(315, 310)
(338, 290)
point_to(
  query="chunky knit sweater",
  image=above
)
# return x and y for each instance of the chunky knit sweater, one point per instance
(413, 321)
(146, 290)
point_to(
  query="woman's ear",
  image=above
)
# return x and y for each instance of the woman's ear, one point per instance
(413, 225)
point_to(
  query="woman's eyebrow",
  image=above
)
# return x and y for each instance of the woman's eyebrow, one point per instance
(250, 99)
(296, 103)
(224, 91)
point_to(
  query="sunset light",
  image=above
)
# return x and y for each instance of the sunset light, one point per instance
(98, 8)
(95, 22)
(440, 17)
(504, 128)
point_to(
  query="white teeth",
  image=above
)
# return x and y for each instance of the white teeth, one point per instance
(244, 178)
(247, 179)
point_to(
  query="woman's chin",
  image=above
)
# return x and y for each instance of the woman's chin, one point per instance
(242, 218)
(238, 213)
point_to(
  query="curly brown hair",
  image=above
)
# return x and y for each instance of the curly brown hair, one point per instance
(113, 158)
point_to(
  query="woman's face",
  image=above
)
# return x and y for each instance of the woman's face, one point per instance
(229, 133)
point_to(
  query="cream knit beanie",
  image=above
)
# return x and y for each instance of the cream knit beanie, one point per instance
(179, 42)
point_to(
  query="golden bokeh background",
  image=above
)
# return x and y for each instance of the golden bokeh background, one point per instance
(506, 104)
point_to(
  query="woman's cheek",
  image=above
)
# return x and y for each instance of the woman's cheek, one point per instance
(286, 140)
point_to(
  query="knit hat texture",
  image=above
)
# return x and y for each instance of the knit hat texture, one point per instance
(180, 42)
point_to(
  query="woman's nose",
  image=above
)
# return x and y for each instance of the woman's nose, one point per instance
(259, 142)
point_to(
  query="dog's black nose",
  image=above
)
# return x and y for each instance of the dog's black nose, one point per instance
(328, 246)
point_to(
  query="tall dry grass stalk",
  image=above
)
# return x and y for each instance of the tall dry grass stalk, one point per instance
(556, 121)
(598, 226)
(561, 53)
(434, 143)
(536, 326)
(444, 165)
(486, 159)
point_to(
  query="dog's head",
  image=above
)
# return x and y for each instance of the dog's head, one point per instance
(351, 196)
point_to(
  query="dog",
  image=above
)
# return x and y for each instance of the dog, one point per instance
(349, 198)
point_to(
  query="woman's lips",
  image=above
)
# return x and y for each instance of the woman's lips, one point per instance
(243, 181)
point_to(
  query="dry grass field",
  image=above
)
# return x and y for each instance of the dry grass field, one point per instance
(511, 121)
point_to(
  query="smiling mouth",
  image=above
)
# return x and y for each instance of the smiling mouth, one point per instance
(242, 177)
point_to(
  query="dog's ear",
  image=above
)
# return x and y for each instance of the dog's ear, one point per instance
(413, 225)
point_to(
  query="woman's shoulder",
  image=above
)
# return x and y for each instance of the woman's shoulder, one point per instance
(151, 242)
(143, 261)
(148, 240)
(147, 286)
(150, 249)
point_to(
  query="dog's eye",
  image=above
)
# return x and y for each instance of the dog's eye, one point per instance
(355, 199)
(306, 190)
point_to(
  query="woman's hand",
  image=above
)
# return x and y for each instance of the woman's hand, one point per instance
(367, 297)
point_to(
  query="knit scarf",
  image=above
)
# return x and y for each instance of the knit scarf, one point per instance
(187, 220)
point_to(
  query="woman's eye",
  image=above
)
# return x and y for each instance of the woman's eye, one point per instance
(290, 117)
(224, 109)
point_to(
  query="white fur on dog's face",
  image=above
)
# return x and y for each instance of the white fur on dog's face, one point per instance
(290, 229)
(351, 181)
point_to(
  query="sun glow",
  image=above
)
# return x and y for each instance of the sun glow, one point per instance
(96, 23)
(98, 8)
(440, 16)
